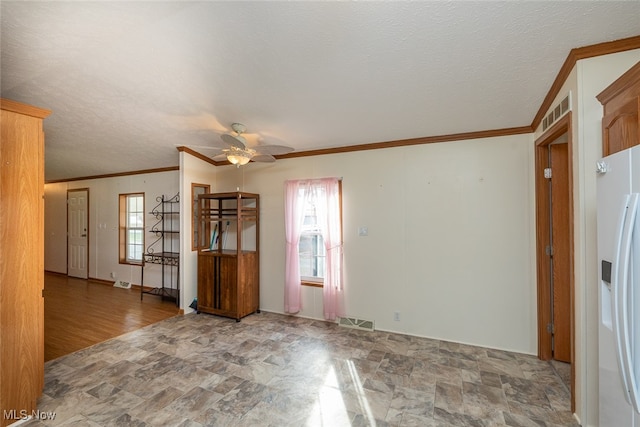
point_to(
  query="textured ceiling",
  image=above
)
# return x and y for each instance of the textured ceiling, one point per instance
(129, 81)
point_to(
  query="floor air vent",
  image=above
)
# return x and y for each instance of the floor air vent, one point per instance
(350, 322)
(122, 284)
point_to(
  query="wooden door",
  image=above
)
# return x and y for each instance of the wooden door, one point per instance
(548, 307)
(560, 253)
(22, 260)
(77, 229)
(218, 284)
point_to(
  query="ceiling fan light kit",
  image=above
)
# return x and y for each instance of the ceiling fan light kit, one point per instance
(240, 156)
(236, 151)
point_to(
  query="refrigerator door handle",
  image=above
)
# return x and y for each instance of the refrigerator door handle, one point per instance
(621, 283)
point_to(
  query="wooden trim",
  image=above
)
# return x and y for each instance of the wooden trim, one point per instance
(122, 227)
(543, 264)
(201, 156)
(112, 175)
(100, 281)
(408, 142)
(574, 56)
(386, 144)
(312, 284)
(195, 218)
(56, 273)
(27, 110)
(542, 235)
(630, 78)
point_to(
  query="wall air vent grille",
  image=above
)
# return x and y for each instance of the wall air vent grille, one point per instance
(350, 322)
(557, 112)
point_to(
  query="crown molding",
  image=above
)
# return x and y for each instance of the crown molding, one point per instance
(574, 56)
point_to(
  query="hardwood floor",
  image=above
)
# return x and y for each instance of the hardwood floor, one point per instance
(79, 313)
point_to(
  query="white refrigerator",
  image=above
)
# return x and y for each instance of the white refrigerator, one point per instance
(618, 193)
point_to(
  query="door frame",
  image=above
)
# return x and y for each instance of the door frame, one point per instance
(543, 227)
(71, 190)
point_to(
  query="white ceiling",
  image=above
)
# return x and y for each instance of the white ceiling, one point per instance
(129, 81)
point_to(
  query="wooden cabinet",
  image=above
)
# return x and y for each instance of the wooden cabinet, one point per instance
(229, 266)
(621, 121)
(21, 259)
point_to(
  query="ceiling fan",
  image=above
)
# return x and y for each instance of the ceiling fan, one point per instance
(236, 150)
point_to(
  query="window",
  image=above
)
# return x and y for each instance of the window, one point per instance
(311, 247)
(313, 254)
(131, 228)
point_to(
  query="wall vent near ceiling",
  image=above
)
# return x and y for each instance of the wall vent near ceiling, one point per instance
(562, 108)
(350, 322)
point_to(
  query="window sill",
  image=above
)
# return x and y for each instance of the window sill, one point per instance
(312, 284)
(138, 263)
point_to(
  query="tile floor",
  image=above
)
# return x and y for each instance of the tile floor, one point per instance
(275, 370)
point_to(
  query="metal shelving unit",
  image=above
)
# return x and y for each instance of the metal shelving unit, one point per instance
(165, 249)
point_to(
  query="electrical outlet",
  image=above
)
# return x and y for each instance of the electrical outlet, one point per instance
(113, 274)
(396, 316)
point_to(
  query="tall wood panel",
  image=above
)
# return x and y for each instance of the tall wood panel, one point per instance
(22, 259)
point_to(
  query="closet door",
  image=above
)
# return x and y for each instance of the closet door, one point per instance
(22, 260)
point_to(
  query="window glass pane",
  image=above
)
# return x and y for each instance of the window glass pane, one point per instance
(134, 235)
(312, 255)
(138, 220)
(137, 253)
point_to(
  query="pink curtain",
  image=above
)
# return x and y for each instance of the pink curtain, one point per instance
(332, 291)
(326, 193)
(293, 217)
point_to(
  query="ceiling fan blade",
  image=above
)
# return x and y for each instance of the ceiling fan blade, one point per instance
(263, 158)
(252, 139)
(220, 157)
(234, 140)
(273, 150)
(219, 144)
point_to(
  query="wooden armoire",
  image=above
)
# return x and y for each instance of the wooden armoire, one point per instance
(229, 268)
(21, 259)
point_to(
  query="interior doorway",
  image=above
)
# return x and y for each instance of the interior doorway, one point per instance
(554, 245)
(77, 233)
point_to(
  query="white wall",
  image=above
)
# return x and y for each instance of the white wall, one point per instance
(55, 228)
(103, 223)
(593, 76)
(588, 79)
(450, 244)
(192, 171)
